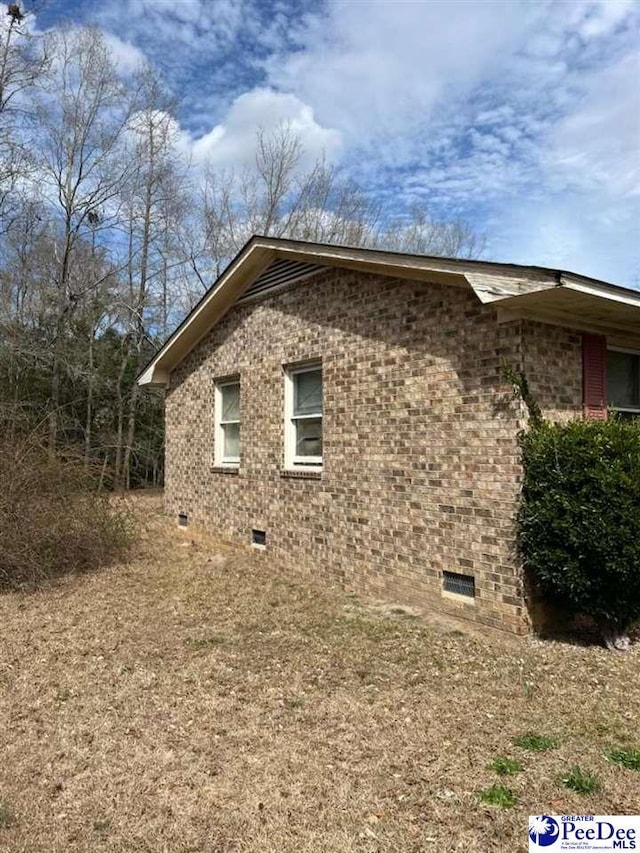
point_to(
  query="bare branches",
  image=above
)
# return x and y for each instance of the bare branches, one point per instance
(279, 198)
(82, 113)
(108, 235)
(22, 63)
(419, 233)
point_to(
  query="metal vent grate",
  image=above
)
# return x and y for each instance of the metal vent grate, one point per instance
(459, 584)
(183, 519)
(277, 275)
(259, 537)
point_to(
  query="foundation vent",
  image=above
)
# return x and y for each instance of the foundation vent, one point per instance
(259, 537)
(459, 584)
(183, 519)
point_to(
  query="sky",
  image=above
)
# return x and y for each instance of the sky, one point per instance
(520, 116)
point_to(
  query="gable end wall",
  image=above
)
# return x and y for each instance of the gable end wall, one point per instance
(421, 464)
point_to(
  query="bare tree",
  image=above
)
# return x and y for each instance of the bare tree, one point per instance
(153, 202)
(25, 262)
(418, 233)
(22, 63)
(113, 234)
(82, 115)
(279, 198)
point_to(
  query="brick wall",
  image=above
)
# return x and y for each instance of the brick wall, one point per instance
(552, 359)
(421, 464)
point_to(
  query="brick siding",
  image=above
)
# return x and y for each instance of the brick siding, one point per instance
(421, 463)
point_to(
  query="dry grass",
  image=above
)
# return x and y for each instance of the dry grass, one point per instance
(198, 700)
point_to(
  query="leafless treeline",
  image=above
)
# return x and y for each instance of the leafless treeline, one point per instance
(108, 234)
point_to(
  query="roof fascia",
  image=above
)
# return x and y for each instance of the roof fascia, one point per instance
(624, 295)
(252, 260)
(402, 264)
(505, 292)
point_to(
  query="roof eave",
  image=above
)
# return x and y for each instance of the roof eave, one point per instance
(576, 304)
(253, 259)
(508, 287)
(581, 284)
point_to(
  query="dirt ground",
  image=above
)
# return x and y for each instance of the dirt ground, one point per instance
(201, 699)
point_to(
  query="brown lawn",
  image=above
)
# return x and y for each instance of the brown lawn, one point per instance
(197, 699)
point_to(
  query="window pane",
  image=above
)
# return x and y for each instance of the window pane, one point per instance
(307, 398)
(231, 446)
(230, 402)
(623, 380)
(309, 437)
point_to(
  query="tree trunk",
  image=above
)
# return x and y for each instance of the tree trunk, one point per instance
(89, 413)
(54, 397)
(63, 308)
(117, 474)
(131, 429)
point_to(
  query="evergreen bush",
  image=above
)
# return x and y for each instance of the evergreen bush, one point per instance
(579, 519)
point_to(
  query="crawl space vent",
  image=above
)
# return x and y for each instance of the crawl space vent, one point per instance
(459, 584)
(259, 537)
(183, 519)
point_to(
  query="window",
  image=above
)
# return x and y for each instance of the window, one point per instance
(303, 417)
(227, 419)
(623, 382)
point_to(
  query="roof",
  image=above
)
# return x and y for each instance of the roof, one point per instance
(550, 295)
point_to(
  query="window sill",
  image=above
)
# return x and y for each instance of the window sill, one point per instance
(300, 474)
(225, 469)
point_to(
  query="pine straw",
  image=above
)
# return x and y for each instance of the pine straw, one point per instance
(197, 699)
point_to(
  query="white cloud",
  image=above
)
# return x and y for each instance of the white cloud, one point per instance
(521, 116)
(596, 147)
(233, 141)
(570, 232)
(585, 214)
(174, 32)
(372, 66)
(603, 16)
(126, 56)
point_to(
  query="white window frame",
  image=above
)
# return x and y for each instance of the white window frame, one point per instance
(291, 461)
(634, 410)
(220, 460)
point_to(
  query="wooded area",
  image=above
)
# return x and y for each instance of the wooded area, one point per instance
(109, 234)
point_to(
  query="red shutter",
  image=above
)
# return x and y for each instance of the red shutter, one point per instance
(594, 376)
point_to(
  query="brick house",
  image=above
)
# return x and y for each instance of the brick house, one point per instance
(347, 411)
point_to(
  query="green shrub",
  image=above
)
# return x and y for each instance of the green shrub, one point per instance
(53, 520)
(579, 520)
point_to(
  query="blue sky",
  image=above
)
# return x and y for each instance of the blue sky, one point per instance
(521, 116)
